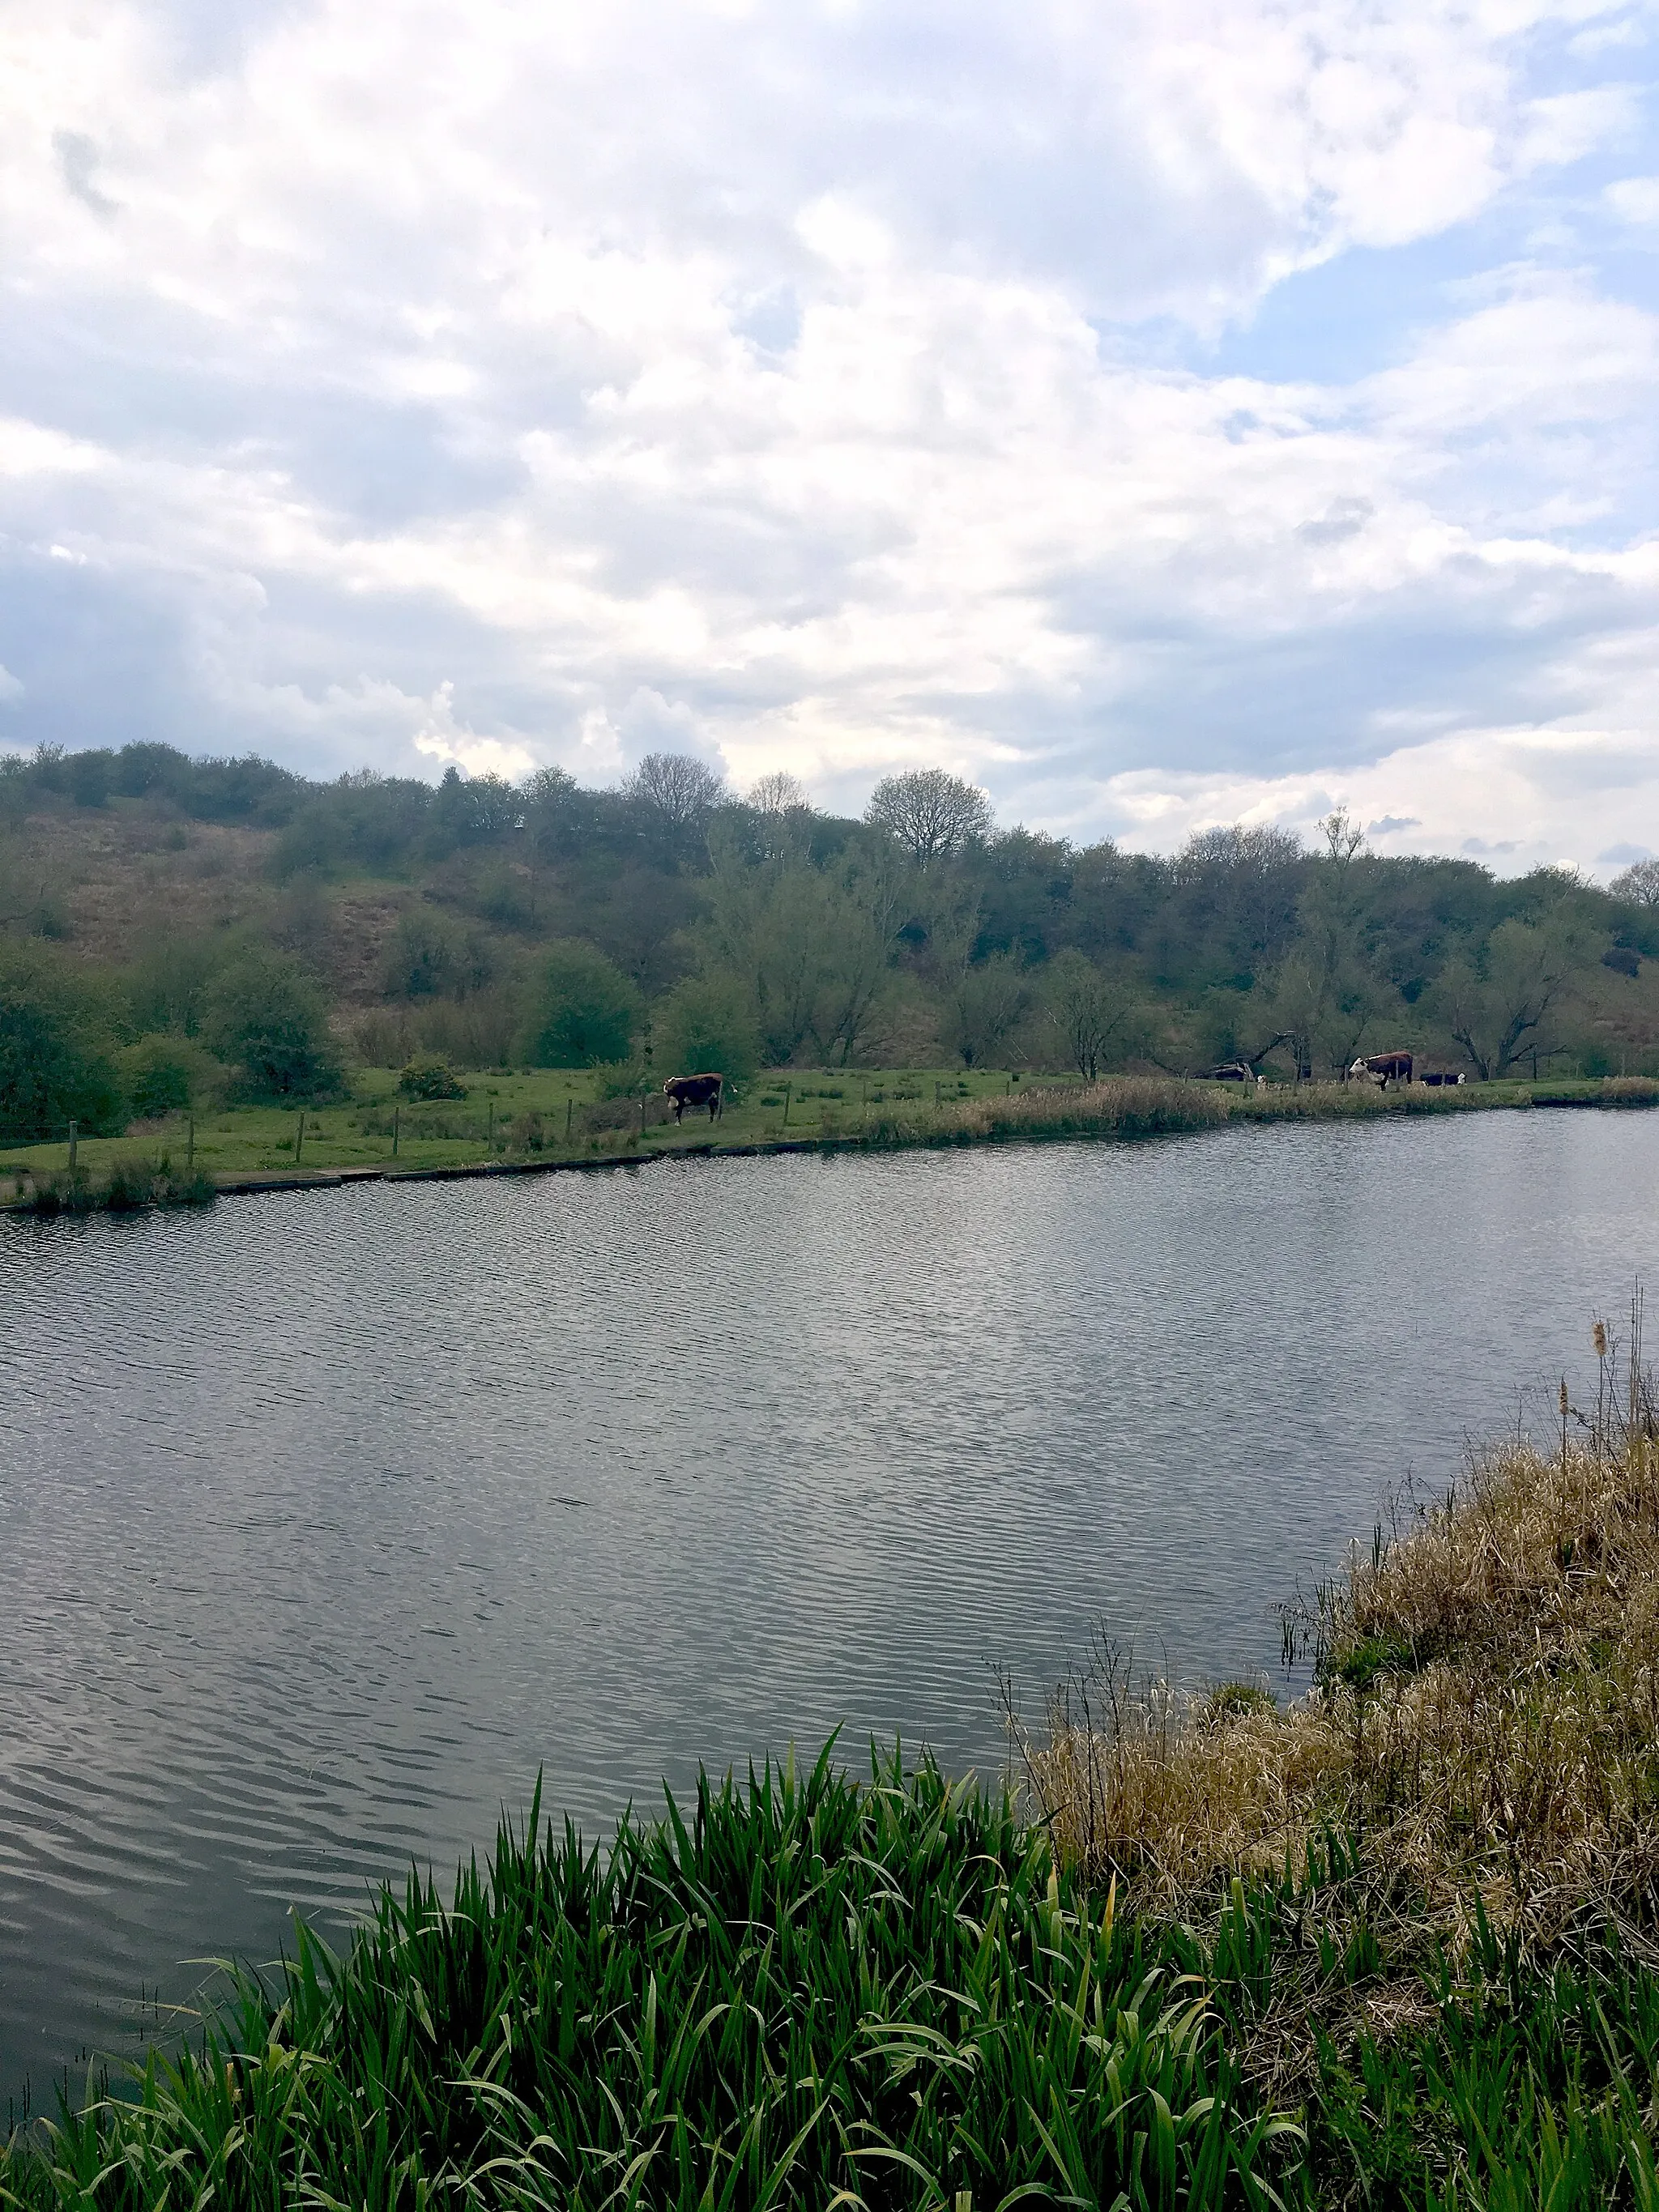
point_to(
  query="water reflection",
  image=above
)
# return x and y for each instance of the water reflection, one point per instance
(330, 1518)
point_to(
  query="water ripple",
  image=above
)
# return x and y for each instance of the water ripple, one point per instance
(331, 1518)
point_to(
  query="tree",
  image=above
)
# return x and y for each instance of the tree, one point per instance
(984, 1006)
(55, 1067)
(1504, 1004)
(1236, 893)
(1639, 883)
(783, 816)
(1344, 838)
(1089, 1010)
(931, 815)
(586, 1011)
(89, 775)
(1325, 993)
(778, 794)
(265, 1018)
(679, 789)
(429, 955)
(167, 1075)
(707, 1025)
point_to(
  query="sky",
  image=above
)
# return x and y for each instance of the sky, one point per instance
(1169, 413)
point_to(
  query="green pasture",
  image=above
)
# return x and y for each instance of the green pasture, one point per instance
(562, 1114)
(498, 1119)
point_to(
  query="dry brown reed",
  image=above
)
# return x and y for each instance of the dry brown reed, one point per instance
(1137, 1106)
(1484, 1716)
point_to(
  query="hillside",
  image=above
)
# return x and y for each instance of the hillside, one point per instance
(147, 896)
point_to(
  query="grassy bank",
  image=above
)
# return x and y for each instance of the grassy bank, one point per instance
(556, 1117)
(1394, 1944)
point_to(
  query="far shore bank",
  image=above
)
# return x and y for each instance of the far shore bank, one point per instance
(146, 1169)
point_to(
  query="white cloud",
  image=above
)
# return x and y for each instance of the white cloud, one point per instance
(440, 737)
(10, 689)
(1635, 200)
(774, 383)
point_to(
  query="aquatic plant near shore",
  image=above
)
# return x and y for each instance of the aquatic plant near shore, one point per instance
(128, 1186)
(807, 1992)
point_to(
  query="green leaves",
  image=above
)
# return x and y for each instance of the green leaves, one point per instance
(796, 1991)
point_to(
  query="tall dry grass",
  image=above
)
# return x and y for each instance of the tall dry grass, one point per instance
(1484, 1713)
(1137, 1106)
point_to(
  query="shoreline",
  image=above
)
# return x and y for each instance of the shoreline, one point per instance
(1120, 1107)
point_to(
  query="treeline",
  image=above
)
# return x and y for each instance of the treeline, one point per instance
(668, 923)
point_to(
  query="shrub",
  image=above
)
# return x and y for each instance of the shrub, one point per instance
(265, 1018)
(165, 1075)
(430, 1078)
(622, 1079)
(585, 1010)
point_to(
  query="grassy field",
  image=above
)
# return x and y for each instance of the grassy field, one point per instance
(555, 1115)
(507, 1114)
(1393, 1946)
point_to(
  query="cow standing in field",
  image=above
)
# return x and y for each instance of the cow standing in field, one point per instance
(1382, 1068)
(683, 1091)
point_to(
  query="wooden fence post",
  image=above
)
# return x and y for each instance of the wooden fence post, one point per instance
(570, 1111)
(74, 1133)
(396, 1115)
(298, 1137)
(189, 1148)
(787, 1088)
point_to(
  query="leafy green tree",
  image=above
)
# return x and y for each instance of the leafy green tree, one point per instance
(1512, 1001)
(707, 1025)
(89, 775)
(167, 1075)
(55, 1063)
(265, 1018)
(585, 1010)
(1324, 995)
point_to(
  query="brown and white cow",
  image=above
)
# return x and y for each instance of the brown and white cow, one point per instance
(683, 1091)
(1382, 1068)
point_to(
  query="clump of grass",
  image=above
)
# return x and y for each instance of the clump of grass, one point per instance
(128, 1186)
(807, 1992)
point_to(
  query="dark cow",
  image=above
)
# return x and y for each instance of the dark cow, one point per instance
(1435, 1077)
(683, 1091)
(1234, 1071)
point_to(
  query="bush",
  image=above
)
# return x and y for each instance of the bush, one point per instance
(55, 1065)
(586, 1011)
(265, 1018)
(430, 1078)
(624, 1078)
(165, 1075)
(708, 1024)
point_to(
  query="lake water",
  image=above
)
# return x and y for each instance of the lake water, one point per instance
(328, 1518)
